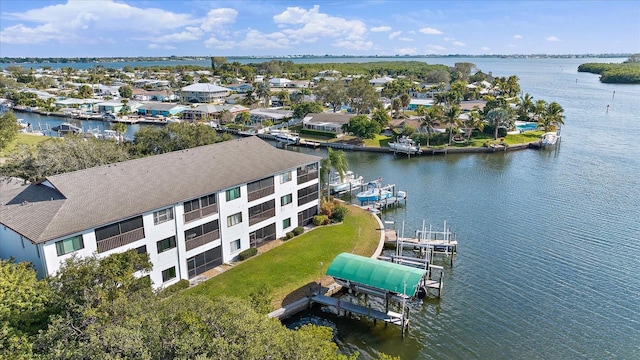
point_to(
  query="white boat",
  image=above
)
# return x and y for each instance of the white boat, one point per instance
(375, 192)
(549, 139)
(23, 124)
(67, 128)
(287, 138)
(348, 182)
(405, 145)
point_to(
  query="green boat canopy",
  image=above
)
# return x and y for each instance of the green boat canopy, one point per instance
(377, 274)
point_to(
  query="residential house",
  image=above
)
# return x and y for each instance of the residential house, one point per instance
(208, 112)
(417, 103)
(331, 122)
(189, 210)
(279, 82)
(240, 88)
(161, 109)
(203, 93)
(380, 81)
(151, 95)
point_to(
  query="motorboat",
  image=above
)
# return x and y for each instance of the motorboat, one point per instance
(349, 181)
(548, 139)
(287, 138)
(375, 192)
(405, 145)
(67, 128)
(23, 124)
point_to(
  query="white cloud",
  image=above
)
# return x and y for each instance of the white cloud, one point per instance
(433, 48)
(189, 34)
(218, 17)
(406, 51)
(517, 37)
(359, 45)
(485, 48)
(157, 46)
(552, 38)
(253, 40)
(459, 43)
(81, 20)
(430, 31)
(405, 39)
(380, 29)
(316, 25)
(394, 34)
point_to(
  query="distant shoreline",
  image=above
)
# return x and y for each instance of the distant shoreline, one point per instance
(75, 60)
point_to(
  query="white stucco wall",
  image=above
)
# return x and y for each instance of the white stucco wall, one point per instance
(21, 249)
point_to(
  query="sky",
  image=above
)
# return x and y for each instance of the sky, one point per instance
(127, 28)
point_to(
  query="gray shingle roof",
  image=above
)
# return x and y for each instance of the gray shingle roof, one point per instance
(93, 197)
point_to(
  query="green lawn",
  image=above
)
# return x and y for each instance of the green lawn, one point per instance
(296, 263)
(378, 141)
(23, 139)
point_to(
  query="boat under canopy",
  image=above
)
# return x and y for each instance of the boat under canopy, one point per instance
(376, 274)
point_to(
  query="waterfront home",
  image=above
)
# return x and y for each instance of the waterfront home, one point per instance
(203, 93)
(190, 210)
(150, 95)
(209, 112)
(380, 81)
(330, 122)
(414, 104)
(161, 109)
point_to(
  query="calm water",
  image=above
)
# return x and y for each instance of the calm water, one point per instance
(550, 240)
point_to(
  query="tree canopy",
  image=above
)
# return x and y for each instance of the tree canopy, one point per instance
(8, 128)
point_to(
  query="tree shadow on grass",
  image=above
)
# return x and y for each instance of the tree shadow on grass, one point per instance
(302, 292)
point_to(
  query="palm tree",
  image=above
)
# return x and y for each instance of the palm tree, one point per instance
(539, 109)
(474, 122)
(525, 106)
(120, 128)
(452, 117)
(553, 115)
(431, 118)
(336, 160)
(497, 117)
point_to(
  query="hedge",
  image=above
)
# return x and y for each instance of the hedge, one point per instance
(327, 134)
(247, 253)
(298, 230)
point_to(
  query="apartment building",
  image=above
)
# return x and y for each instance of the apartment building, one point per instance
(190, 210)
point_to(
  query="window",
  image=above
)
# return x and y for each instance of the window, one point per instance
(308, 194)
(142, 249)
(199, 208)
(262, 212)
(235, 245)
(166, 244)
(286, 223)
(263, 235)
(69, 245)
(201, 235)
(286, 177)
(234, 219)
(168, 274)
(233, 193)
(163, 215)
(287, 199)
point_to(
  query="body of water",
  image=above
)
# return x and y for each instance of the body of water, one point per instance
(549, 252)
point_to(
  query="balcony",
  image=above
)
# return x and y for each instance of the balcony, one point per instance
(303, 178)
(257, 194)
(202, 239)
(120, 240)
(262, 216)
(200, 213)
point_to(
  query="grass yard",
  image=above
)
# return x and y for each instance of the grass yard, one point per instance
(378, 141)
(296, 263)
(27, 139)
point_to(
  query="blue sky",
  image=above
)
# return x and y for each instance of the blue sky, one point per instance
(102, 28)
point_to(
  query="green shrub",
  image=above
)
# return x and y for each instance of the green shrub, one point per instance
(339, 213)
(247, 253)
(298, 230)
(289, 235)
(321, 220)
(319, 133)
(173, 289)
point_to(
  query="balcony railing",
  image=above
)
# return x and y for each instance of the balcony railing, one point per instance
(307, 198)
(257, 194)
(200, 213)
(262, 216)
(303, 178)
(120, 240)
(202, 239)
